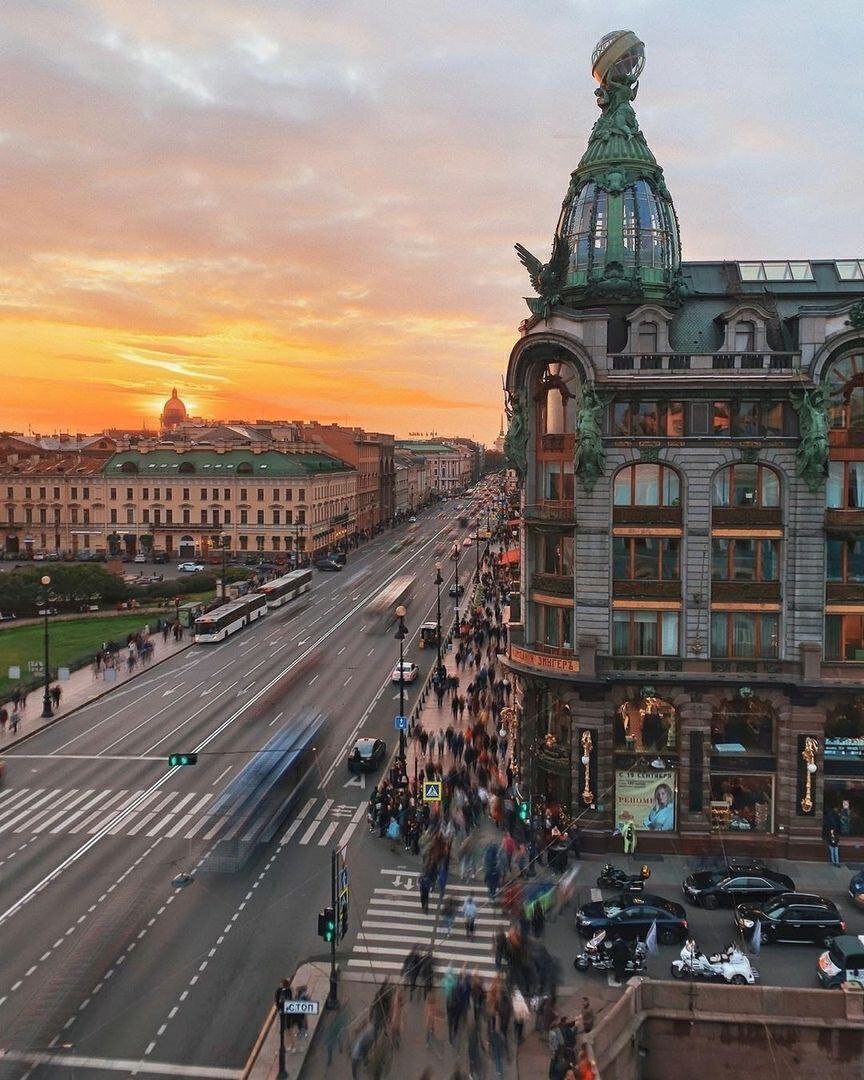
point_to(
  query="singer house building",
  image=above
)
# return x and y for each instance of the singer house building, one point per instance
(689, 440)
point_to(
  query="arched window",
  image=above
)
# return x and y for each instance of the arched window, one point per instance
(745, 337)
(647, 485)
(186, 467)
(845, 382)
(244, 468)
(744, 485)
(646, 339)
(129, 467)
(586, 229)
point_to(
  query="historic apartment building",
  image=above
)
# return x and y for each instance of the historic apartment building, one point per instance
(451, 465)
(690, 442)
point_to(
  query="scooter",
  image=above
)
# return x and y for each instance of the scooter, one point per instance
(729, 966)
(598, 956)
(613, 878)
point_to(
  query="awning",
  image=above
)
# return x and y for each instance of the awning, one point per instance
(510, 558)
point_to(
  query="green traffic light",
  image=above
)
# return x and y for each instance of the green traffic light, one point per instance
(524, 810)
(175, 760)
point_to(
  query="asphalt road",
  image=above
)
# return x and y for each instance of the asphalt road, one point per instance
(99, 953)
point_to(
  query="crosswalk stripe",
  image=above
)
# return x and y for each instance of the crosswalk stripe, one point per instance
(20, 802)
(148, 817)
(121, 823)
(184, 821)
(67, 821)
(372, 924)
(97, 813)
(297, 822)
(440, 939)
(328, 832)
(50, 821)
(451, 888)
(212, 832)
(9, 793)
(487, 970)
(17, 814)
(31, 819)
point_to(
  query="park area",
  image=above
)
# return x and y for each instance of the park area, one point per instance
(70, 640)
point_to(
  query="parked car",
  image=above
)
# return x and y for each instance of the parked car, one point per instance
(856, 890)
(366, 755)
(339, 556)
(843, 962)
(412, 520)
(7, 618)
(140, 557)
(405, 671)
(792, 917)
(632, 916)
(160, 557)
(190, 567)
(326, 564)
(735, 884)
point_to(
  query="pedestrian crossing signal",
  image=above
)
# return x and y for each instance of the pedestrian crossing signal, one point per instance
(524, 810)
(181, 759)
(327, 924)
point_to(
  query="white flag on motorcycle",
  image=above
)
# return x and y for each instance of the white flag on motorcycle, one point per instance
(756, 940)
(651, 939)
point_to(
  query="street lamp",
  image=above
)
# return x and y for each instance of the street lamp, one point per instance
(477, 552)
(456, 559)
(47, 712)
(439, 581)
(224, 541)
(401, 632)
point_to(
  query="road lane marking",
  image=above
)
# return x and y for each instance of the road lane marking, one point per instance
(312, 680)
(224, 772)
(328, 832)
(322, 813)
(278, 716)
(122, 1065)
(67, 802)
(184, 821)
(297, 822)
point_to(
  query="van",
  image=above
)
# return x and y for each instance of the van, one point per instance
(842, 962)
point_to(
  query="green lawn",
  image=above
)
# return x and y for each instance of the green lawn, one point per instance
(67, 641)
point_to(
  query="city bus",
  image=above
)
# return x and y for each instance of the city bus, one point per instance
(396, 592)
(286, 588)
(217, 624)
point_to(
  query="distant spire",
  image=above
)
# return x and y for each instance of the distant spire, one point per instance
(501, 432)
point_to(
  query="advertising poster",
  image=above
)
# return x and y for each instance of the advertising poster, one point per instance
(647, 798)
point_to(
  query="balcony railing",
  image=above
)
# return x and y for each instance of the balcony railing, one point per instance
(674, 363)
(640, 663)
(746, 517)
(689, 666)
(557, 444)
(631, 588)
(852, 520)
(839, 591)
(550, 512)
(646, 515)
(553, 584)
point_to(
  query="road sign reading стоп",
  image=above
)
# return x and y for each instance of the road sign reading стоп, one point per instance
(305, 1008)
(432, 791)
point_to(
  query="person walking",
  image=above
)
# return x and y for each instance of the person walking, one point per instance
(833, 842)
(469, 914)
(4, 719)
(587, 1016)
(448, 914)
(15, 719)
(424, 884)
(56, 694)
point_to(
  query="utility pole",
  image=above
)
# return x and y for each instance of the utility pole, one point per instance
(333, 995)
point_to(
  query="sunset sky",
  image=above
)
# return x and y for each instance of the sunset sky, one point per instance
(307, 208)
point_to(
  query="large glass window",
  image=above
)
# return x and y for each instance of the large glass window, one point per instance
(645, 633)
(646, 558)
(647, 485)
(645, 724)
(845, 488)
(845, 559)
(844, 637)
(844, 805)
(845, 382)
(646, 338)
(557, 479)
(745, 634)
(745, 559)
(555, 553)
(741, 803)
(745, 337)
(746, 485)
(636, 417)
(554, 626)
(748, 418)
(743, 725)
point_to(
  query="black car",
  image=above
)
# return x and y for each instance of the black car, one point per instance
(856, 890)
(792, 917)
(456, 590)
(326, 564)
(735, 884)
(338, 556)
(160, 557)
(367, 755)
(632, 916)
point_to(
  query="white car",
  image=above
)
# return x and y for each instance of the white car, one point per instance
(405, 672)
(190, 567)
(140, 557)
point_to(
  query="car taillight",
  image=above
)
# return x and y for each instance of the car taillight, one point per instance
(843, 926)
(684, 923)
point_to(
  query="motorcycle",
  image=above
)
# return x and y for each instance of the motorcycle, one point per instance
(729, 966)
(613, 878)
(598, 956)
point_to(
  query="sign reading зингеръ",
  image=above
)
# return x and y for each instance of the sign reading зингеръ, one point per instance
(543, 662)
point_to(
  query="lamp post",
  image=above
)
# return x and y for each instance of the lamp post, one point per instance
(400, 635)
(456, 559)
(477, 552)
(439, 581)
(46, 700)
(224, 541)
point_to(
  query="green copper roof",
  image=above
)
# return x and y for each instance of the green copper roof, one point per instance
(207, 463)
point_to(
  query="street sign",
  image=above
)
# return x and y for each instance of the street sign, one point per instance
(301, 1008)
(343, 878)
(432, 791)
(400, 723)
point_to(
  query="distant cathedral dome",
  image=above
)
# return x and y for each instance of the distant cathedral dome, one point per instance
(174, 412)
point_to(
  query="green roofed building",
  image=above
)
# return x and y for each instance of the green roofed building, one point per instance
(689, 438)
(189, 502)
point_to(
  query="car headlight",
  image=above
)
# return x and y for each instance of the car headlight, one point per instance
(748, 923)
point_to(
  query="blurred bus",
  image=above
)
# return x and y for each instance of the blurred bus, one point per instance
(226, 619)
(284, 589)
(398, 591)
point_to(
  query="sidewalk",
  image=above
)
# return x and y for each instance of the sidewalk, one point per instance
(84, 686)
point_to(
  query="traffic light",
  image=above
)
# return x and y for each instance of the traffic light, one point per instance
(327, 924)
(182, 759)
(524, 810)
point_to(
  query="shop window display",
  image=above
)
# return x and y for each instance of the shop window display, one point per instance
(742, 803)
(743, 726)
(645, 725)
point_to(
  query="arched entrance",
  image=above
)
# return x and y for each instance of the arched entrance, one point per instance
(186, 548)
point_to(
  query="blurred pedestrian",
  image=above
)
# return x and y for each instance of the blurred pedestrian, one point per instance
(469, 914)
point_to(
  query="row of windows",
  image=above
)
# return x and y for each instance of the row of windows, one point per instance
(741, 484)
(43, 493)
(212, 517)
(743, 418)
(647, 336)
(211, 494)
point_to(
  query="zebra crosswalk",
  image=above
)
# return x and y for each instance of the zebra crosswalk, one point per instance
(162, 813)
(394, 921)
(91, 810)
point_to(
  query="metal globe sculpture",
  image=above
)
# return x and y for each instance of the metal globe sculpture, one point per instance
(618, 56)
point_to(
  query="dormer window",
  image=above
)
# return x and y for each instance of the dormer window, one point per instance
(646, 339)
(745, 337)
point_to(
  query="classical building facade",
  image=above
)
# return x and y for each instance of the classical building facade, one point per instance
(690, 442)
(451, 465)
